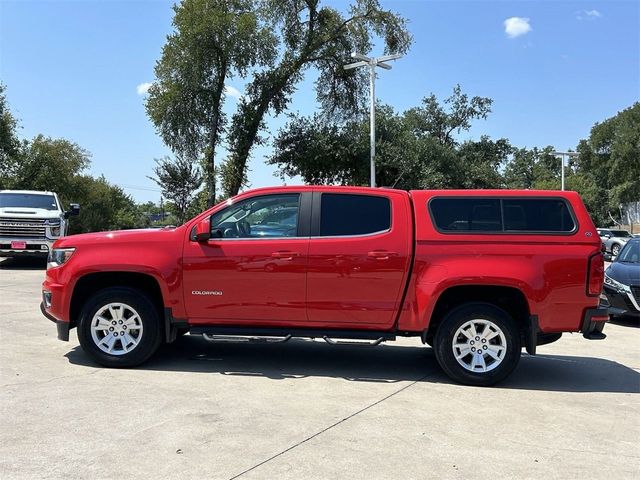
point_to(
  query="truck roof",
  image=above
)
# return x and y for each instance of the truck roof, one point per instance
(460, 192)
(31, 192)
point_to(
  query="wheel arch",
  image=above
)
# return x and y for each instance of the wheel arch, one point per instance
(510, 299)
(91, 283)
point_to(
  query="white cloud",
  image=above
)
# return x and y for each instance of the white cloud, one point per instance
(516, 26)
(232, 92)
(588, 14)
(143, 88)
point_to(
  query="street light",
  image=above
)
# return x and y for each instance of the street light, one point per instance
(562, 155)
(372, 63)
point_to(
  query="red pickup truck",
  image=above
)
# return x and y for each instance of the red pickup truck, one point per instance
(476, 274)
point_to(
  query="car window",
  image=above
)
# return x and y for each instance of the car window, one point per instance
(630, 253)
(501, 215)
(537, 215)
(620, 233)
(343, 215)
(266, 216)
(28, 200)
(467, 214)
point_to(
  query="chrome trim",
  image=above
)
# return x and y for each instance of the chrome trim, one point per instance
(379, 232)
(250, 239)
(317, 237)
(633, 299)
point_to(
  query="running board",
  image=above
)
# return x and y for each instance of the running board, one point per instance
(266, 334)
(244, 338)
(366, 343)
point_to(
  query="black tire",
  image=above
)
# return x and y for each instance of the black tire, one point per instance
(615, 250)
(151, 336)
(444, 350)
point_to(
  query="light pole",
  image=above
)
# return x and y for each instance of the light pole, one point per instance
(562, 155)
(372, 63)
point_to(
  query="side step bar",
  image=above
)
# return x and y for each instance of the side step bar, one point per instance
(244, 338)
(281, 335)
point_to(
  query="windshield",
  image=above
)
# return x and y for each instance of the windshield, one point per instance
(28, 200)
(630, 253)
(620, 233)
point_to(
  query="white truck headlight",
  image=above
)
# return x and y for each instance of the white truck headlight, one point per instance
(54, 227)
(58, 256)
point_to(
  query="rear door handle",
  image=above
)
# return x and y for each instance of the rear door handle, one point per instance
(381, 254)
(285, 255)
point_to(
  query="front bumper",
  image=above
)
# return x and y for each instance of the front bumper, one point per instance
(36, 247)
(62, 327)
(593, 323)
(620, 303)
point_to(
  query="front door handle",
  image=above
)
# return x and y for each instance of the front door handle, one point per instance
(381, 254)
(285, 255)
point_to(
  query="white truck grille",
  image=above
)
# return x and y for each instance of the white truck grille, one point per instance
(22, 228)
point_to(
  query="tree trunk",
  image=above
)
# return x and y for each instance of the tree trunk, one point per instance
(213, 141)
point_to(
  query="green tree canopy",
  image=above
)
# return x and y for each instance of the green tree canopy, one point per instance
(415, 149)
(310, 35)
(610, 158)
(9, 142)
(212, 41)
(179, 180)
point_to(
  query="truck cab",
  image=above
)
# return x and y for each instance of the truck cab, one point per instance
(31, 221)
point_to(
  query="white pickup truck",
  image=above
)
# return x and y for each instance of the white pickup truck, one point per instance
(30, 221)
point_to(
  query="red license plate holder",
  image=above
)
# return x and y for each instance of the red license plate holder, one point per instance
(18, 245)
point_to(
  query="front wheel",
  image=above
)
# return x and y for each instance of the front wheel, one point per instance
(478, 344)
(615, 250)
(119, 327)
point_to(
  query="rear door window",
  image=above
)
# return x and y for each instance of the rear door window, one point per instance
(345, 215)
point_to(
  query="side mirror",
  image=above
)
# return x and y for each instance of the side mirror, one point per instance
(74, 210)
(202, 231)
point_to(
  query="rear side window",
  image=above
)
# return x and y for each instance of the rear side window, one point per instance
(502, 215)
(466, 214)
(537, 215)
(353, 214)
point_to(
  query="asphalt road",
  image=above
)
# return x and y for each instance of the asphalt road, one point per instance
(307, 409)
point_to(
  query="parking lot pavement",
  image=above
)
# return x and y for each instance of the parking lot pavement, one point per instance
(307, 409)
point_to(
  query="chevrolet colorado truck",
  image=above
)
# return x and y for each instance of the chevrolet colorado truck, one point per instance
(30, 221)
(477, 274)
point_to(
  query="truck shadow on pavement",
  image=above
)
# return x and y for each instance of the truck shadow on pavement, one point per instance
(386, 364)
(25, 263)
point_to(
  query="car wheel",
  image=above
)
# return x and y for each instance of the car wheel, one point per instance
(478, 344)
(615, 249)
(119, 327)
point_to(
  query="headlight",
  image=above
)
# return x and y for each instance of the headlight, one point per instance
(614, 283)
(58, 256)
(54, 227)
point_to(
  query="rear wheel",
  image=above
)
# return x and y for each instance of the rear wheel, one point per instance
(478, 344)
(119, 327)
(615, 249)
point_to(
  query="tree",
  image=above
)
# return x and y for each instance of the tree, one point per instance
(213, 40)
(434, 120)
(611, 157)
(416, 149)
(9, 142)
(50, 164)
(104, 206)
(179, 180)
(311, 36)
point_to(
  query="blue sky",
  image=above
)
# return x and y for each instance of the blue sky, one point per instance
(72, 69)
